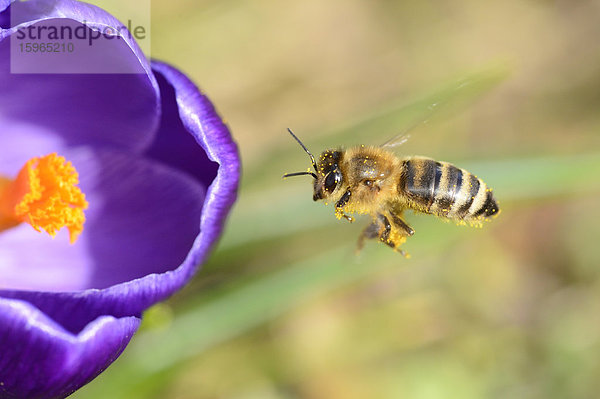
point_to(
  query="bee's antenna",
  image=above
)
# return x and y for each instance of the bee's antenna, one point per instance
(312, 158)
(300, 174)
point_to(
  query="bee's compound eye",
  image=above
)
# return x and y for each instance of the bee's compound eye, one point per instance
(331, 181)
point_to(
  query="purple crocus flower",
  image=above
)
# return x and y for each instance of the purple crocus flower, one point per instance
(160, 173)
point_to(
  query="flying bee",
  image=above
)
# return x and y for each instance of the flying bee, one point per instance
(373, 180)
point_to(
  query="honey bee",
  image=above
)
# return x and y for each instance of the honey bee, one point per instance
(372, 180)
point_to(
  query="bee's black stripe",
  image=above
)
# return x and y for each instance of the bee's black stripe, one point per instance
(445, 198)
(411, 172)
(403, 182)
(421, 188)
(489, 207)
(458, 184)
(410, 175)
(492, 207)
(428, 180)
(473, 183)
(481, 211)
(438, 178)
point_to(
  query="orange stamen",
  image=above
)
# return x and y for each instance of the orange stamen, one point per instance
(45, 195)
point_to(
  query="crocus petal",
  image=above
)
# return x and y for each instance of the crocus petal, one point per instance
(31, 261)
(32, 140)
(86, 109)
(52, 342)
(74, 310)
(41, 360)
(173, 143)
(199, 117)
(143, 218)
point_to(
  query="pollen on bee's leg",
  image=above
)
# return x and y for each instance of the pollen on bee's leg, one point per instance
(45, 195)
(396, 239)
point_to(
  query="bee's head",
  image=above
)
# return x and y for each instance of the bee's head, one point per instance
(328, 176)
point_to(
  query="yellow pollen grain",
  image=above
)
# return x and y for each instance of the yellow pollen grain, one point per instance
(45, 195)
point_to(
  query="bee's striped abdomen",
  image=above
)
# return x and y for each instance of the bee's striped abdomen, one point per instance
(442, 189)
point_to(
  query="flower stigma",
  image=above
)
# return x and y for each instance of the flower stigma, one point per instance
(45, 195)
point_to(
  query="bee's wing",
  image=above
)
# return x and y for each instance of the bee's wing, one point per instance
(403, 136)
(397, 140)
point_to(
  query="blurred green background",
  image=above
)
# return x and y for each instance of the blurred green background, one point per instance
(284, 309)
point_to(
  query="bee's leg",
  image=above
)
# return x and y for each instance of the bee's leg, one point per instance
(339, 207)
(370, 232)
(384, 236)
(402, 224)
(395, 234)
(389, 233)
